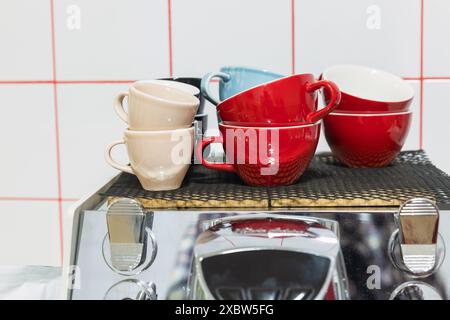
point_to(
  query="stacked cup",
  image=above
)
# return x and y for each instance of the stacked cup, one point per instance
(233, 80)
(269, 131)
(371, 123)
(159, 138)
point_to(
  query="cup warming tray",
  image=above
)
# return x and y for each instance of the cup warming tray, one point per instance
(326, 183)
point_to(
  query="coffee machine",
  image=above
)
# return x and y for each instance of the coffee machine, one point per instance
(122, 250)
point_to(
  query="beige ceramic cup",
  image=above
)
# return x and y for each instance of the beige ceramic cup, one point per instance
(159, 159)
(194, 91)
(156, 106)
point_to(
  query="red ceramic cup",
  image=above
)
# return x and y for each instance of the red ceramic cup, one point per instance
(366, 89)
(272, 227)
(263, 124)
(366, 140)
(286, 100)
(265, 156)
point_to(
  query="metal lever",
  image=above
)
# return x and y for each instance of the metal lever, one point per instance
(129, 230)
(418, 221)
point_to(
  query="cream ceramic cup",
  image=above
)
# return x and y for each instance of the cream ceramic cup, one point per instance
(156, 106)
(194, 91)
(159, 159)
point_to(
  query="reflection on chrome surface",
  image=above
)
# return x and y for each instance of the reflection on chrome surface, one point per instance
(363, 237)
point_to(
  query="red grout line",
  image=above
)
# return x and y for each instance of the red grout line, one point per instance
(56, 115)
(52, 27)
(421, 74)
(421, 116)
(94, 81)
(427, 78)
(30, 199)
(131, 81)
(26, 81)
(436, 78)
(65, 81)
(69, 199)
(293, 36)
(169, 12)
(27, 199)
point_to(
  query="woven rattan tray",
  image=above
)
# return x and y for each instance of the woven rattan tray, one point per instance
(326, 183)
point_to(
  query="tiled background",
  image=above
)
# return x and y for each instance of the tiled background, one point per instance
(59, 74)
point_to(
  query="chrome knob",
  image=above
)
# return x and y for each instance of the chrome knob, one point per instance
(418, 228)
(416, 247)
(132, 245)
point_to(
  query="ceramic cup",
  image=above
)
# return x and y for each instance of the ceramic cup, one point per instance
(188, 88)
(234, 80)
(366, 140)
(195, 82)
(159, 159)
(365, 89)
(265, 156)
(156, 106)
(191, 86)
(291, 99)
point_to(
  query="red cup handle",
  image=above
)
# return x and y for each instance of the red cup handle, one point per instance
(335, 98)
(216, 166)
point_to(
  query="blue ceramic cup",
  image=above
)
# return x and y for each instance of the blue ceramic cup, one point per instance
(234, 80)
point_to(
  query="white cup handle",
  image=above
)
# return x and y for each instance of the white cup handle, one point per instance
(112, 162)
(118, 106)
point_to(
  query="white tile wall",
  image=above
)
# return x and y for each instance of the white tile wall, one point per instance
(88, 123)
(436, 28)
(436, 133)
(208, 34)
(116, 39)
(26, 40)
(29, 233)
(127, 40)
(28, 144)
(378, 33)
(413, 140)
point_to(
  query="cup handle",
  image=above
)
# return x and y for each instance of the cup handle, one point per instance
(118, 106)
(216, 166)
(112, 162)
(335, 98)
(205, 85)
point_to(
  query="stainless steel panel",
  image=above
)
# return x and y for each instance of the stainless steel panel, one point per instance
(364, 238)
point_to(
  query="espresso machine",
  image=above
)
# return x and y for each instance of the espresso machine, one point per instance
(217, 239)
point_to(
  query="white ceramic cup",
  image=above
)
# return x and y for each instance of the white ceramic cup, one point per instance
(159, 159)
(365, 89)
(156, 106)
